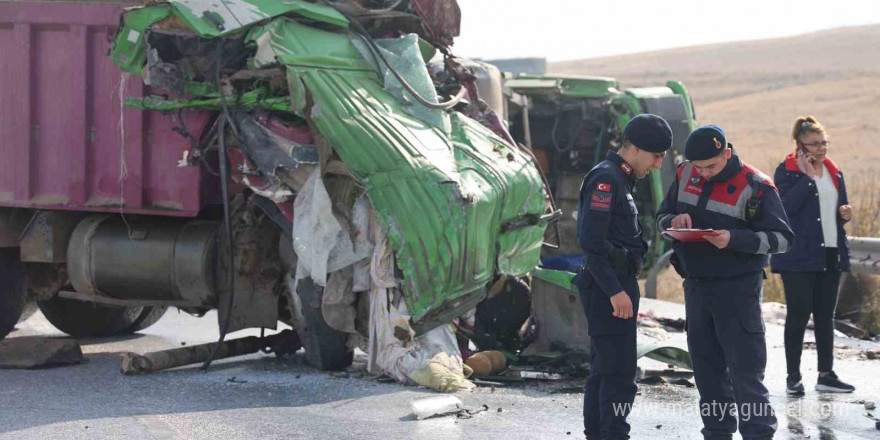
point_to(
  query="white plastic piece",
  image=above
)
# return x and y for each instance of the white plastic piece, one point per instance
(430, 406)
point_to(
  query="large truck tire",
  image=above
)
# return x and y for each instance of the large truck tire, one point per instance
(325, 347)
(85, 319)
(13, 290)
(148, 317)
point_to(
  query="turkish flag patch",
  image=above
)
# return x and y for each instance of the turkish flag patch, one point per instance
(606, 187)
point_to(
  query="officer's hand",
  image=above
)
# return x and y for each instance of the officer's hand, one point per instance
(623, 307)
(846, 212)
(682, 221)
(721, 240)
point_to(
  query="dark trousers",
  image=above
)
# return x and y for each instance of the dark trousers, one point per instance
(811, 293)
(611, 387)
(725, 333)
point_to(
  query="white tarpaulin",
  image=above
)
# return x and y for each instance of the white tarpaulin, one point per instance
(430, 360)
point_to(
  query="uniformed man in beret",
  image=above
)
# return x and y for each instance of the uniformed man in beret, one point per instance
(723, 278)
(611, 237)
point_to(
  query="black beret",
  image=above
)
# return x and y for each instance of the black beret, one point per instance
(705, 142)
(649, 132)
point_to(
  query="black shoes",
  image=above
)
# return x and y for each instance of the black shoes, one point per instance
(830, 383)
(794, 386)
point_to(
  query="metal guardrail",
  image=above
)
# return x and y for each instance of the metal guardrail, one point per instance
(864, 257)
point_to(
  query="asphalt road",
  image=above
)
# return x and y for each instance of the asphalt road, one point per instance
(262, 397)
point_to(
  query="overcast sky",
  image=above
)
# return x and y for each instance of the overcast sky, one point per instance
(575, 29)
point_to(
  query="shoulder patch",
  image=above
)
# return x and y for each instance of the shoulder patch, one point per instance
(600, 201)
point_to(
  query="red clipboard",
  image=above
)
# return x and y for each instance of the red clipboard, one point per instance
(689, 235)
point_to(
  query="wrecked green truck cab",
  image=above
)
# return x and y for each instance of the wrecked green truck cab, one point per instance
(570, 122)
(459, 203)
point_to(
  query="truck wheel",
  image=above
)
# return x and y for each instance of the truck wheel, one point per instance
(13, 290)
(325, 346)
(148, 317)
(84, 319)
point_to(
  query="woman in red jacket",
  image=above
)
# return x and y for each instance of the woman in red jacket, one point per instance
(814, 196)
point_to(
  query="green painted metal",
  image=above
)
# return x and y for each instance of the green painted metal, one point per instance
(214, 18)
(649, 92)
(207, 18)
(587, 87)
(248, 101)
(568, 86)
(129, 48)
(442, 195)
(560, 278)
(679, 89)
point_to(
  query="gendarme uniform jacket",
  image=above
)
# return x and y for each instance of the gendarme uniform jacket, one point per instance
(740, 199)
(608, 226)
(800, 197)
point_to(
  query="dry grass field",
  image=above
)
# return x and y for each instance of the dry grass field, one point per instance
(755, 90)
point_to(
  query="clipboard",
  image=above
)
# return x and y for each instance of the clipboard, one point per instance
(689, 235)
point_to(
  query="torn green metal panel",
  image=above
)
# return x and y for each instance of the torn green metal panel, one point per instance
(129, 48)
(519, 250)
(442, 197)
(214, 18)
(288, 42)
(247, 101)
(405, 56)
(207, 18)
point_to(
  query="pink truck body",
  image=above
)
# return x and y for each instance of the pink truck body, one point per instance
(62, 122)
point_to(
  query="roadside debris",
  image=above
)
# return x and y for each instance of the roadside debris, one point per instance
(683, 382)
(648, 320)
(431, 406)
(669, 372)
(876, 420)
(487, 363)
(847, 327)
(434, 406)
(538, 375)
(848, 351)
(132, 363)
(33, 352)
(869, 405)
(652, 380)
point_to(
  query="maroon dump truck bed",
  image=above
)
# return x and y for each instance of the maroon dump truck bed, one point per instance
(60, 126)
